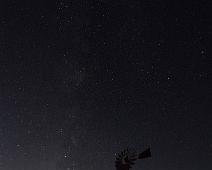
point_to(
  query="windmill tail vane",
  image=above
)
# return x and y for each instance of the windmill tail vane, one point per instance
(145, 154)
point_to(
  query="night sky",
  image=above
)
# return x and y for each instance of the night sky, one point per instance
(80, 80)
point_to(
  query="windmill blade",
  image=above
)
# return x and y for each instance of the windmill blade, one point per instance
(125, 160)
(145, 154)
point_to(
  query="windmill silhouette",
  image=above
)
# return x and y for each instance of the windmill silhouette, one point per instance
(127, 158)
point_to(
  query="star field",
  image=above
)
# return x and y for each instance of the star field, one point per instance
(82, 80)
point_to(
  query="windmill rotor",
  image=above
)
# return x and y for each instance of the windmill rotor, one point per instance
(126, 158)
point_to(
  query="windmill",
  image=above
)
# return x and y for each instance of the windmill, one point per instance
(127, 158)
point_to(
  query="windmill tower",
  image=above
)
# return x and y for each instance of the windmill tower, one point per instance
(126, 158)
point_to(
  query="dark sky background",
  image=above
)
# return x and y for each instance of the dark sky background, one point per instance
(80, 80)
